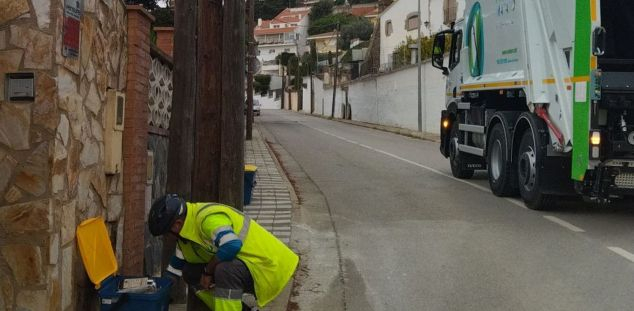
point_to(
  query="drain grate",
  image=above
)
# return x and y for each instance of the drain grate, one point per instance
(625, 180)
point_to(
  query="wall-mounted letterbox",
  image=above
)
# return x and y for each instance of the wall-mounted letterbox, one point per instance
(113, 135)
(20, 86)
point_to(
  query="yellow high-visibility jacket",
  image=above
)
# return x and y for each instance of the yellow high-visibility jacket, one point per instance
(270, 261)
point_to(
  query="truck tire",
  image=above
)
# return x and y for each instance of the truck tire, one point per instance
(455, 157)
(529, 173)
(502, 173)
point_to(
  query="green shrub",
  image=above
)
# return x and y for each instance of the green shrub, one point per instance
(261, 84)
(403, 54)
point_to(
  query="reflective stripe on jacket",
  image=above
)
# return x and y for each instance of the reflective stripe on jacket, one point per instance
(270, 261)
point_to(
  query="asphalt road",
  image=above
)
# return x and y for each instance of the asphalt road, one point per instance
(384, 226)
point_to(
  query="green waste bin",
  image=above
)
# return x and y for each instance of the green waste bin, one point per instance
(249, 182)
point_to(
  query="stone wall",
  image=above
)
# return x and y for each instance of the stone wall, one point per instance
(52, 151)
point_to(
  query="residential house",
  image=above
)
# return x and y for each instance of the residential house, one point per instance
(286, 32)
(367, 10)
(324, 42)
(400, 20)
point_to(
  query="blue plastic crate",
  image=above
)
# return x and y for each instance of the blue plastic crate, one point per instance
(112, 301)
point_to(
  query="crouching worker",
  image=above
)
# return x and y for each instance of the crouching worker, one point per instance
(221, 253)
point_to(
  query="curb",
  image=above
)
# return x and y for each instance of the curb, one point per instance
(385, 128)
(280, 167)
(282, 302)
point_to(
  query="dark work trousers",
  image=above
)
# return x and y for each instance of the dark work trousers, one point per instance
(228, 275)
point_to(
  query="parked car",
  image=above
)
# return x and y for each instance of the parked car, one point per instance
(256, 107)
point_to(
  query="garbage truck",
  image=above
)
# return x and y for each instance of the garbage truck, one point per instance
(540, 94)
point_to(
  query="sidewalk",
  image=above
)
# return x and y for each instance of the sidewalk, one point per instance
(270, 204)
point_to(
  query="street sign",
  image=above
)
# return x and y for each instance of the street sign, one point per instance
(72, 26)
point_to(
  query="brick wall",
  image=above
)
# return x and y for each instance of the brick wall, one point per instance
(165, 39)
(135, 138)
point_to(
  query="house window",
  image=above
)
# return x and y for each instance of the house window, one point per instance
(388, 28)
(412, 21)
(272, 51)
(287, 50)
(276, 26)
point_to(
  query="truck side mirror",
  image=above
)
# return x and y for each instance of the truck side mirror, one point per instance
(438, 53)
(598, 41)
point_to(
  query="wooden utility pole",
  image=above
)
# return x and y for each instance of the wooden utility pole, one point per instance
(280, 67)
(312, 92)
(419, 68)
(181, 148)
(299, 80)
(232, 124)
(334, 88)
(207, 148)
(311, 71)
(250, 24)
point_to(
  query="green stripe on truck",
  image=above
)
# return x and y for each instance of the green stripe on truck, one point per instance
(581, 104)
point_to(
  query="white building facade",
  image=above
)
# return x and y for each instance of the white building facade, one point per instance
(400, 20)
(287, 32)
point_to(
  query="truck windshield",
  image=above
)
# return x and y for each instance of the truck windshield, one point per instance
(616, 18)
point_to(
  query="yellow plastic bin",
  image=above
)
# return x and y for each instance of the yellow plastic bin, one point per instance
(101, 265)
(249, 182)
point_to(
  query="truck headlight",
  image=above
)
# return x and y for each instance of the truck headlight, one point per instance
(596, 138)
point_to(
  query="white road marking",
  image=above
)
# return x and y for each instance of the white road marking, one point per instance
(402, 159)
(564, 224)
(627, 255)
(516, 202)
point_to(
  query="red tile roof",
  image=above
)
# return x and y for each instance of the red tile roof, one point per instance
(265, 24)
(364, 11)
(287, 16)
(293, 12)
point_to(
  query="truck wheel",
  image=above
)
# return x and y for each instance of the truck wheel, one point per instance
(455, 157)
(502, 174)
(529, 174)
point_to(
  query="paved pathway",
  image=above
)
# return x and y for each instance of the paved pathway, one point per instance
(271, 203)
